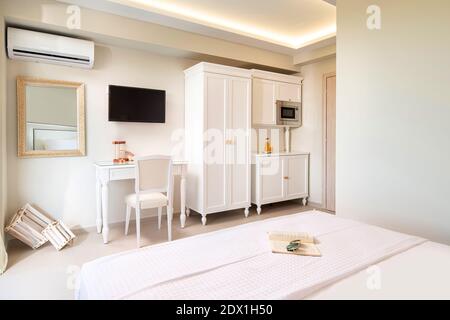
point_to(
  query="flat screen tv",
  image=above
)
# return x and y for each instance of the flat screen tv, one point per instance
(128, 104)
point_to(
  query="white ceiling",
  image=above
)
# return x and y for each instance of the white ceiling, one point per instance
(277, 25)
(285, 22)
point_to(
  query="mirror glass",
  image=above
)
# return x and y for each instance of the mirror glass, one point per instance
(51, 118)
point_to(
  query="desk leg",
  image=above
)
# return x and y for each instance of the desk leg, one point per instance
(183, 200)
(105, 198)
(98, 190)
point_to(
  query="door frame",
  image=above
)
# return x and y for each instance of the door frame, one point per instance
(324, 132)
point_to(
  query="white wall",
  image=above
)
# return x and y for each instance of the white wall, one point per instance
(393, 112)
(309, 137)
(65, 187)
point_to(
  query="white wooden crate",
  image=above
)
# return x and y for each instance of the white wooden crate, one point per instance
(34, 229)
(58, 234)
(27, 226)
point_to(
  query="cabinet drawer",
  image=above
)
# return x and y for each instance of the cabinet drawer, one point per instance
(122, 174)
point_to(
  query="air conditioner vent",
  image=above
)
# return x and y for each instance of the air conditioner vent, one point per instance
(48, 48)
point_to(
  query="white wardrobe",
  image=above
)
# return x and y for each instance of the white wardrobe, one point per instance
(218, 132)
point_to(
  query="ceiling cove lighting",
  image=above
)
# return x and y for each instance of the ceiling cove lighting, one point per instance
(209, 20)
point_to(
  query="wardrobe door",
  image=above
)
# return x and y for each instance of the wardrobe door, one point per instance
(238, 142)
(215, 171)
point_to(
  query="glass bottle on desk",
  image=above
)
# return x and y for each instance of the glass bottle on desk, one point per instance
(267, 146)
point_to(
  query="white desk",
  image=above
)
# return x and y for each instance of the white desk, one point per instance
(107, 171)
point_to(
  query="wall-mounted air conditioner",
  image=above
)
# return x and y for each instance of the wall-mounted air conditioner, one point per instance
(49, 48)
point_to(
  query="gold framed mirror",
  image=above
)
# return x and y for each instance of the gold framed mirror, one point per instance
(51, 118)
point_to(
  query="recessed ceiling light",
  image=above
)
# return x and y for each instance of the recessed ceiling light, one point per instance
(210, 20)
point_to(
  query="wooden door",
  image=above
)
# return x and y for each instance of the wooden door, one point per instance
(330, 141)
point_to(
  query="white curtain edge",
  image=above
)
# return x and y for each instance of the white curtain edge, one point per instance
(3, 256)
(3, 253)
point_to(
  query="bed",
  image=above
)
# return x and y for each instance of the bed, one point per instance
(358, 261)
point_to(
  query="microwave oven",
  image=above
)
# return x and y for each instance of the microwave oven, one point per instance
(289, 114)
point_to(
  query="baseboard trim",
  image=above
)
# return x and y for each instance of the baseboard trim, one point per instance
(316, 205)
(319, 206)
(91, 229)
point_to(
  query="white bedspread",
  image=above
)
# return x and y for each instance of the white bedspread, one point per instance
(236, 263)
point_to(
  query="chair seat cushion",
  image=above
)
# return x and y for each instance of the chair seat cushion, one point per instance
(147, 200)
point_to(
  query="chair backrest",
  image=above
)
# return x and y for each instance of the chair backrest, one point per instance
(154, 174)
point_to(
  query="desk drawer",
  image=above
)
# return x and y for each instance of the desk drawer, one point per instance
(122, 174)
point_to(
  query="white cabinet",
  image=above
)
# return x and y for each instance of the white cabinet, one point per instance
(280, 177)
(296, 175)
(289, 92)
(264, 102)
(272, 182)
(268, 87)
(218, 124)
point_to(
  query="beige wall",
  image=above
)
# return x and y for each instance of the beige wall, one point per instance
(393, 112)
(65, 187)
(310, 136)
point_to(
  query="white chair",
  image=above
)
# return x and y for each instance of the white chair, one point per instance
(153, 179)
